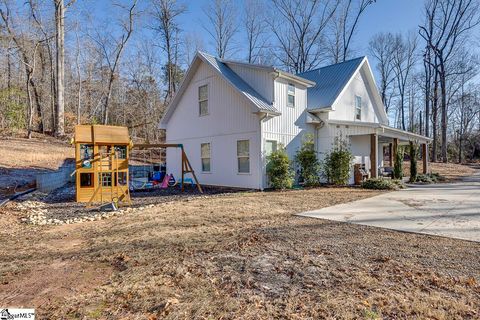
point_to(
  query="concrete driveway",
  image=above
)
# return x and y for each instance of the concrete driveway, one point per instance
(450, 210)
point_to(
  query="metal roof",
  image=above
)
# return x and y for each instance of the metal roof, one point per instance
(330, 81)
(238, 83)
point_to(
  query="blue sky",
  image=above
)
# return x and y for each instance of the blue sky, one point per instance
(385, 15)
(396, 16)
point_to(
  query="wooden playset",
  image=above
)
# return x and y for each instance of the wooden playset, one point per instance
(102, 165)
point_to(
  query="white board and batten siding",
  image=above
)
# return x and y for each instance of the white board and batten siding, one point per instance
(229, 119)
(345, 106)
(287, 129)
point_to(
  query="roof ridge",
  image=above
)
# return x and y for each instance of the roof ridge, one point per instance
(333, 65)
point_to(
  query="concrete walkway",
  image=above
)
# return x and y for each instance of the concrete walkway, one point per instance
(450, 210)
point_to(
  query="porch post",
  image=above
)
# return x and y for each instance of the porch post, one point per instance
(390, 153)
(373, 155)
(395, 148)
(425, 157)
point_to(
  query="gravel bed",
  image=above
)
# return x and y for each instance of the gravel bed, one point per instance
(59, 206)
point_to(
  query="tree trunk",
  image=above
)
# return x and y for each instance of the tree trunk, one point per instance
(443, 90)
(427, 97)
(60, 62)
(435, 118)
(107, 98)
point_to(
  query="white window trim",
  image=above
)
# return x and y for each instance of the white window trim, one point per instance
(249, 159)
(294, 95)
(210, 157)
(208, 98)
(356, 108)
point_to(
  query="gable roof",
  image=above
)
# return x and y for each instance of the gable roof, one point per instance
(238, 83)
(330, 81)
(259, 103)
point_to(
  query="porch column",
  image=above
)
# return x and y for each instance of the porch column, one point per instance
(395, 148)
(373, 155)
(390, 153)
(425, 157)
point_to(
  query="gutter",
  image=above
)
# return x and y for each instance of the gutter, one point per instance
(295, 78)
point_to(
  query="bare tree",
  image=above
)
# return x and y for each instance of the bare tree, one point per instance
(446, 26)
(28, 51)
(382, 48)
(60, 9)
(165, 14)
(298, 31)
(403, 63)
(221, 15)
(255, 29)
(344, 27)
(113, 55)
(47, 37)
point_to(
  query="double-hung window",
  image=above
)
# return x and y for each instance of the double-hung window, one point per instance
(205, 156)
(358, 108)
(291, 95)
(203, 100)
(243, 156)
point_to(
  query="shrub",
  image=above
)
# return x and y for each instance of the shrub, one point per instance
(306, 158)
(279, 170)
(413, 161)
(429, 178)
(382, 184)
(337, 163)
(398, 165)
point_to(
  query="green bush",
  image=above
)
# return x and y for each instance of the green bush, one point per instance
(279, 170)
(382, 184)
(398, 165)
(337, 163)
(413, 161)
(306, 158)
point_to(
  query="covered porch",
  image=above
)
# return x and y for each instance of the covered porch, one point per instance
(374, 145)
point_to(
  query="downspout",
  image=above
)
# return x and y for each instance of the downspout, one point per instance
(262, 165)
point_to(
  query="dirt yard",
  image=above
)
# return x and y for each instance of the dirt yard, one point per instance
(235, 256)
(451, 171)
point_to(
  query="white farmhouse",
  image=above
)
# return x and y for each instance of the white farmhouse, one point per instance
(230, 115)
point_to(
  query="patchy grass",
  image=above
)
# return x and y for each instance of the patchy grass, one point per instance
(242, 255)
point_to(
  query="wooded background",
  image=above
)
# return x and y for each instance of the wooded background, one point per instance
(60, 66)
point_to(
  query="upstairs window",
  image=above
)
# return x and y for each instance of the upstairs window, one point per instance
(291, 95)
(203, 100)
(205, 156)
(358, 108)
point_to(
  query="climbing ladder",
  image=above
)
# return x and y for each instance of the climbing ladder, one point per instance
(118, 192)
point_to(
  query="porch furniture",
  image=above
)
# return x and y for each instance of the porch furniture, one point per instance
(386, 172)
(360, 174)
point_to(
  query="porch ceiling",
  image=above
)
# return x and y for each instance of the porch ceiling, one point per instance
(385, 133)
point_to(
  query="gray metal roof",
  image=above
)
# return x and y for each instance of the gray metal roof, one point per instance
(244, 88)
(330, 81)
